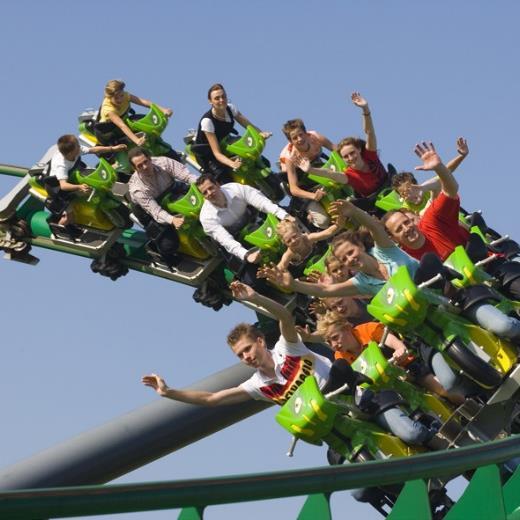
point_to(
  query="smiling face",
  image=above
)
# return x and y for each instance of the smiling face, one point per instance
(411, 193)
(341, 305)
(352, 156)
(299, 139)
(337, 270)
(352, 256)
(293, 238)
(403, 229)
(218, 99)
(251, 351)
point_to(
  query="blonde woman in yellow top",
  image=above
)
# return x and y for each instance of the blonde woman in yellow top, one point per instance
(116, 104)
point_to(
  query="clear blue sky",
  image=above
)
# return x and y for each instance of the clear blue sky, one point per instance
(74, 344)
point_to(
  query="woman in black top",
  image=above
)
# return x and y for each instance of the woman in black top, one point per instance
(214, 125)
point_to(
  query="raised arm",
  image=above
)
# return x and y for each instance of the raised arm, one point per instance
(285, 261)
(244, 122)
(107, 149)
(434, 184)
(432, 162)
(368, 125)
(462, 153)
(146, 103)
(376, 228)
(227, 396)
(243, 292)
(325, 234)
(285, 279)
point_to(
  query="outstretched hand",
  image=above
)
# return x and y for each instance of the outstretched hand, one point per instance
(275, 275)
(304, 332)
(358, 100)
(155, 382)
(313, 277)
(428, 155)
(317, 307)
(266, 135)
(341, 209)
(168, 112)
(462, 146)
(241, 291)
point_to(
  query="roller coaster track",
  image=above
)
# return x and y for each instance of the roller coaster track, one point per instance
(485, 497)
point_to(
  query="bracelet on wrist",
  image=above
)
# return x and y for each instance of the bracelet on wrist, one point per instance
(366, 114)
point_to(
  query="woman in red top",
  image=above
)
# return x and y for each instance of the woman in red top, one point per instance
(365, 172)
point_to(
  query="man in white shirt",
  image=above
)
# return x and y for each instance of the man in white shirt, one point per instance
(225, 212)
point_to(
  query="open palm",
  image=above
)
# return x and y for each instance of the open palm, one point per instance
(358, 100)
(275, 275)
(241, 291)
(428, 155)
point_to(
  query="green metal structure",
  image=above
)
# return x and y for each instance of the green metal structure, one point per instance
(484, 498)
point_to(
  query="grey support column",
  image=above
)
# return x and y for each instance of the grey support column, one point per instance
(131, 441)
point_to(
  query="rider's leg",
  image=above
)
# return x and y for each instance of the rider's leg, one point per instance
(221, 172)
(432, 384)
(167, 243)
(494, 320)
(317, 215)
(340, 373)
(397, 421)
(164, 237)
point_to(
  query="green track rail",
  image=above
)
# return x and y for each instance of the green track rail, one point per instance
(13, 171)
(485, 497)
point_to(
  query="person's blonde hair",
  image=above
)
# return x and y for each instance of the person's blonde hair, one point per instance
(287, 226)
(331, 319)
(113, 87)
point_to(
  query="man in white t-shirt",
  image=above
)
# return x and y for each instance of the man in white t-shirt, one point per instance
(278, 371)
(65, 159)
